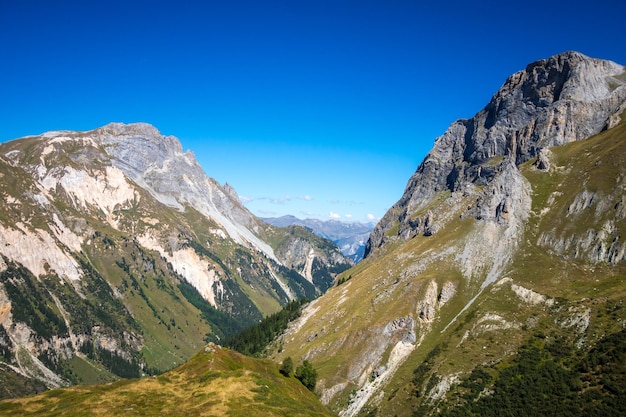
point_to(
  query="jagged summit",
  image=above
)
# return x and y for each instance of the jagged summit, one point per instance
(566, 76)
(564, 98)
(157, 163)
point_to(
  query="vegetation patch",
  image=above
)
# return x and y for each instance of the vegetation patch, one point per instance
(547, 377)
(254, 340)
(215, 382)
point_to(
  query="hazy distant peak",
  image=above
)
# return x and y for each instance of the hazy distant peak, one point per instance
(351, 237)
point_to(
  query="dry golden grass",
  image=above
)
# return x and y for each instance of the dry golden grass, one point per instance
(213, 383)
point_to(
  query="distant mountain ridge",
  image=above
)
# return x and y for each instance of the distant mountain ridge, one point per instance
(351, 237)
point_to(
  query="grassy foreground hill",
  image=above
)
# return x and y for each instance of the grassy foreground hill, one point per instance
(215, 382)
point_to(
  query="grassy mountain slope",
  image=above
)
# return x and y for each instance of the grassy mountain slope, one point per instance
(215, 382)
(101, 279)
(407, 328)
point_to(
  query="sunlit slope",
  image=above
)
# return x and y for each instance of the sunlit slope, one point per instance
(477, 289)
(215, 382)
(120, 257)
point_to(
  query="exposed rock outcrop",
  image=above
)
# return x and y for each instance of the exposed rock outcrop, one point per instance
(553, 101)
(158, 164)
(543, 160)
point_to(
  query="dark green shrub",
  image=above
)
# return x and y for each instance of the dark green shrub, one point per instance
(306, 374)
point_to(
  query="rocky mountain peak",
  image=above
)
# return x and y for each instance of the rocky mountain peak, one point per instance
(128, 129)
(230, 190)
(564, 98)
(114, 242)
(569, 76)
(481, 220)
(158, 164)
(138, 145)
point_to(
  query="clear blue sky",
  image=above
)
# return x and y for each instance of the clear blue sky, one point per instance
(312, 108)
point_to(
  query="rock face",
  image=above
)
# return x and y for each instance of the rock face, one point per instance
(158, 164)
(114, 243)
(313, 257)
(554, 101)
(351, 237)
(495, 238)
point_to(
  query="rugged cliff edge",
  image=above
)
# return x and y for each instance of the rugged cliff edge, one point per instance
(554, 101)
(508, 235)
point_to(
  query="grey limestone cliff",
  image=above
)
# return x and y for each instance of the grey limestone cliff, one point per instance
(565, 98)
(157, 163)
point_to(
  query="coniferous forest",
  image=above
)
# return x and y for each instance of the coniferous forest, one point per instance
(253, 340)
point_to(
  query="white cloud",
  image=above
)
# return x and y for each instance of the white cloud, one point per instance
(334, 215)
(306, 198)
(371, 217)
(245, 200)
(348, 216)
(281, 200)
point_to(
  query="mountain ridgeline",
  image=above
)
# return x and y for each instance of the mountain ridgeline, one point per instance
(351, 237)
(494, 286)
(214, 382)
(506, 249)
(119, 257)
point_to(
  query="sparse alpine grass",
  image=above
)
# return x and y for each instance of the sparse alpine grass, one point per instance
(215, 382)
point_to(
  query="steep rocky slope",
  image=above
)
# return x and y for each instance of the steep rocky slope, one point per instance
(118, 256)
(509, 234)
(351, 237)
(554, 101)
(315, 258)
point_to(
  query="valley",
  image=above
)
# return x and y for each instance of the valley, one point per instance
(494, 286)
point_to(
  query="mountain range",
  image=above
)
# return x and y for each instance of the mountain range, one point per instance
(494, 286)
(120, 256)
(350, 237)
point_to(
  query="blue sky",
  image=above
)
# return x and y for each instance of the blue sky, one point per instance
(313, 108)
